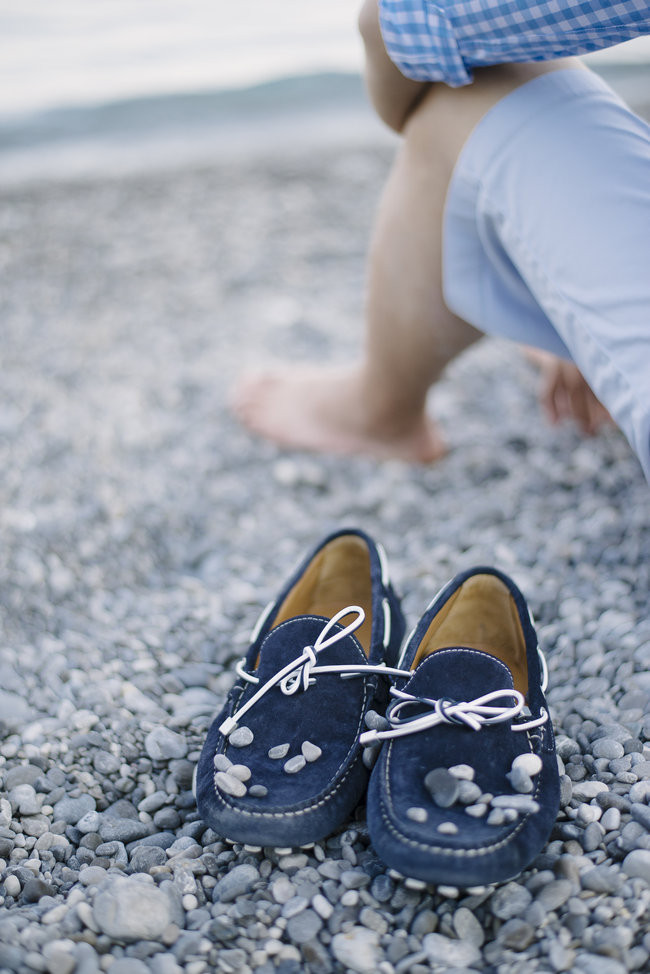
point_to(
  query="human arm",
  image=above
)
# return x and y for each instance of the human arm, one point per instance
(443, 40)
(393, 95)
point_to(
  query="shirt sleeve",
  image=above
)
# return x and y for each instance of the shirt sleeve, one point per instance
(442, 40)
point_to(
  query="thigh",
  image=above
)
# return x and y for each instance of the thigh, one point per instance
(546, 235)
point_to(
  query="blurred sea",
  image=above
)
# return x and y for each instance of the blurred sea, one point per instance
(110, 84)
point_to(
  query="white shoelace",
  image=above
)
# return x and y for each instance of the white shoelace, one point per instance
(301, 673)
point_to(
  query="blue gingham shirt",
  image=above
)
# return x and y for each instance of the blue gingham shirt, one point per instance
(442, 40)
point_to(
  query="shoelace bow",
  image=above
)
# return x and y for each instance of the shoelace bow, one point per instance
(301, 673)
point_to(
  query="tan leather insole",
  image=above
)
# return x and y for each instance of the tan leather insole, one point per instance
(481, 615)
(338, 576)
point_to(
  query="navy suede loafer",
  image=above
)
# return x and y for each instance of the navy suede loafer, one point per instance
(282, 764)
(465, 790)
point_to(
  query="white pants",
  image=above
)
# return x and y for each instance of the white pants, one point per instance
(547, 235)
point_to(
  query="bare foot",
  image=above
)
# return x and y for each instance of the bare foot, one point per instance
(565, 394)
(326, 410)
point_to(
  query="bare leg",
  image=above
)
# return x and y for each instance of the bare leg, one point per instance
(378, 407)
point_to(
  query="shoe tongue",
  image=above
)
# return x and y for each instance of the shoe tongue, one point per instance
(288, 640)
(459, 673)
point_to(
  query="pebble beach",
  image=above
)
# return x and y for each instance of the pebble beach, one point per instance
(142, 531)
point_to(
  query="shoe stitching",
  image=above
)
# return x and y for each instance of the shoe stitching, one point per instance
(330, 795)
(457, 853)
(471, 853)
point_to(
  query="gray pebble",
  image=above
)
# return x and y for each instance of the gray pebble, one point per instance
(641, 814)
(520, 780)
(637, 863)
(468, 928)
(417, 814)
(295, 764)
(238, 881)
(357, 949)
(448, 828)
(278, 752)
(311, 752)
(442, 786)
(516, 934)
(468, 792)
(511, 900)
(162, 744)
(477, 811)
(241, 737)
(497, 817)
(592, 837)
(144, 858)
(229, 784)
(443, 951)
(464, 772)
(304, 927)
(221, 762)
(241, 771)
(607, 748)
(70, 810)
(555, 894)
(258, 791)
(132, 910)
(530, 763)
(370, 755)
(375, 721)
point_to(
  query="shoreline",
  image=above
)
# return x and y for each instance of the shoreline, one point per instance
(180, 129)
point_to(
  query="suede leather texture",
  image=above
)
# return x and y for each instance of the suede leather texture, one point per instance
(306, 806)
(477, 853)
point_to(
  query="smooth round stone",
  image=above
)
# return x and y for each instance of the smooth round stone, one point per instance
(448, 828)
(611, 820)
(23, 774)
(278, 752)
(555, 894)
(25, 799)
(468, 928)
(221, 762)
(304, 927)
(530, 763)
(238, 881)
(637, 864)
(511, 900)
(258, 791)
(605, 747)
(586, 790)
(357, 950)
(476, 811)
(132, 910)
(448, 953)
(468, 792)
(71, 810)
(497, 817)
(370, 755)
(463, 771)
(516, 934)
(520, 780)
(241, 737)
(162, 744)
(241, 771)
(311, 752)
(375, 721)
(229, 785)
(417, 814)
(295, 764)
(442, 786)
(12, 886)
